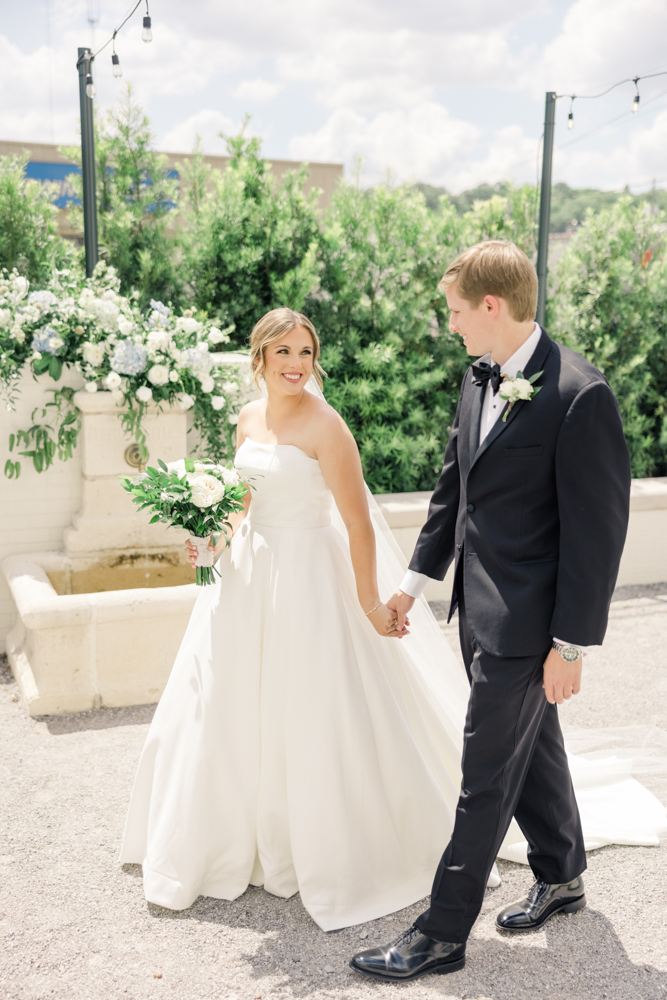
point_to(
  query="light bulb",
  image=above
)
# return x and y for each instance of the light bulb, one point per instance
(635, 104)
(90, 87)
(147, 34)
(570, 120)
(115, 63)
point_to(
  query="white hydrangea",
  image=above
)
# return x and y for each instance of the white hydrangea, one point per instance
(158, 374)
(43, 298)
(125, 326)
(93, 354)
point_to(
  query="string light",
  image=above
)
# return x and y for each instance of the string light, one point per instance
(116, 67)
(90, 86)
(570, 117)
(635, 103)
(147, 34)
(592, 97)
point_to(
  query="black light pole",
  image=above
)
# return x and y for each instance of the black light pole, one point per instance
(545, 204)
(86, 93)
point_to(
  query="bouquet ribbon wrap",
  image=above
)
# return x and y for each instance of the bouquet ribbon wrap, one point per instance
(205, 555)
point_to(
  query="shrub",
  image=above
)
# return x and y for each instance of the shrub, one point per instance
(29, 238)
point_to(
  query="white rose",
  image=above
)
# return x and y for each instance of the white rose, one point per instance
(217, 402)
(207, 383)
(112, 381)
(158, 340)
(184, 401)
(177, 467)
(233, 419)
(144, 394)
(523, 388)
(91, 386)
(216, 336)
(187, 324)
(93, 354)
(158, 374)
(206, 490)
(173, 376)
(231, 477)
(56, 342)
(125, 327)
(117, 394)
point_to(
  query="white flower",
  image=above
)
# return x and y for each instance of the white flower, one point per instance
(5, 318)
(144, 394)
(173, 376)
(229, 387)
(187, 324)
(93, 354)
(197, 359)
(206, 490)
(207, 383)
(20, 286)
(216, 336)
(91, 387)
(118, 394)
(158, 374)
(43, 298)
(177, 467)
(56, 342)
(18, 334)
(231, 477)
(112, 381)
(158, 340)
(184, 402)
(516, 388)
(125, 326)
(217, 402)
(233, 419)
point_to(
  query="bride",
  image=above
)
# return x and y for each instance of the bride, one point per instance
(304, 742)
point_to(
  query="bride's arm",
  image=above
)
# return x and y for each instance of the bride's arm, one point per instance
(339, 461)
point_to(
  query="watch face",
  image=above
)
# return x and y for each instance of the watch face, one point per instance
(570, 653)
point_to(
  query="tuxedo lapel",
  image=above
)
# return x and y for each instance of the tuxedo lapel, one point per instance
(474, 415)
(535, 365)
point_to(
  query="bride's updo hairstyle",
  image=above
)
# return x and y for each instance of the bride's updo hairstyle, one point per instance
(495, 267)
(271, 328)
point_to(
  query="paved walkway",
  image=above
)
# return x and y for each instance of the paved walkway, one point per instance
(75, 925)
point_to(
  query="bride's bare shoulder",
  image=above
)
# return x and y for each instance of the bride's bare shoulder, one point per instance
(328, 427)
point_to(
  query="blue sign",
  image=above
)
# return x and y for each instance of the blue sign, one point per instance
(61, 175)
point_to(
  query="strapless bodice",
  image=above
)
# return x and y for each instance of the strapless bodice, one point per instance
(289, 490)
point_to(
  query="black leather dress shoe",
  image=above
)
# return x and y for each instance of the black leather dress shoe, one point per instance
(542, 902)
(411, 956)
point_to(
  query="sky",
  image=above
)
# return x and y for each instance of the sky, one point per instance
(448, 93)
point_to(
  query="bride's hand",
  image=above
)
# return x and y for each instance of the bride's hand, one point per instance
(191, 552)
(385, 623)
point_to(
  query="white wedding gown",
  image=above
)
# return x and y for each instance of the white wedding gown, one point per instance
(295, 748)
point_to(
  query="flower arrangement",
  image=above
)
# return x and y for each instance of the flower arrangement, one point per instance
(139, 358)
(516, 388)
(197, 496)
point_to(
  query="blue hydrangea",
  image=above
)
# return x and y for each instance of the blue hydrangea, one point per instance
(161, 308)
(47, 341)
(43, 297)
(129, 358)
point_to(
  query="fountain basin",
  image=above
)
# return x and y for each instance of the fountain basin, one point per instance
(75, 651)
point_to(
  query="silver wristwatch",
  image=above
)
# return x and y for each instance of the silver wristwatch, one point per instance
(568, 653)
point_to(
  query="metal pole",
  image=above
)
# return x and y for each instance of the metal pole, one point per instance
(84, 65)
(545, 204)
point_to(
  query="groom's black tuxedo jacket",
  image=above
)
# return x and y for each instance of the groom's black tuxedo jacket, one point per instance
(538, 512)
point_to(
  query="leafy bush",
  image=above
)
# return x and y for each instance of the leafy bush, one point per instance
(136, 204)
(29, 238)
(252, 243)
(608, 304)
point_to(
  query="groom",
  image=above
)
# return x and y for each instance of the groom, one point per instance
(532, 505)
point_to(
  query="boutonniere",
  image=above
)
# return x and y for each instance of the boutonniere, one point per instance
(519, 387)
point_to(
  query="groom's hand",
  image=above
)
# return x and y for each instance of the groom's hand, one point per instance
(400, 604)
(561, 679)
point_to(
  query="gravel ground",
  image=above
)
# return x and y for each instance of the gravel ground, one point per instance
(75, 925)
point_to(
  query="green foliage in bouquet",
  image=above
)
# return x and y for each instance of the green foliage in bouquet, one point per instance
(29, 238)
(192, 495)
(394, 369)
(251, 243)
(136, 204)
(608, 304)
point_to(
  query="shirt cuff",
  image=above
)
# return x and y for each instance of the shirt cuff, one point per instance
(413, 584)
(584, 649)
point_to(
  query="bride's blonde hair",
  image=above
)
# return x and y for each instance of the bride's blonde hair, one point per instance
(271, 328)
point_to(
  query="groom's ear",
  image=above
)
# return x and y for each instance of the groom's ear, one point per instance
(492, 305)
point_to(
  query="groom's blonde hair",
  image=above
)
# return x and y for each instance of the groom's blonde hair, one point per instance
(495, 267)
(272, 327)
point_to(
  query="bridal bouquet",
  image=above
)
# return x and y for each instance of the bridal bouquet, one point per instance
(196, 496)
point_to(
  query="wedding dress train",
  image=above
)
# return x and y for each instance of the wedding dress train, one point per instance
(295, 748)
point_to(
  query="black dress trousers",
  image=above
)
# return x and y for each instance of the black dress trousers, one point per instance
(514, 764)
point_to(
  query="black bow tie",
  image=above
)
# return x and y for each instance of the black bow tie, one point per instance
(484, 372)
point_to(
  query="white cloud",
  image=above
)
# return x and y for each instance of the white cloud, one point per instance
(256, 91)
(207, 123)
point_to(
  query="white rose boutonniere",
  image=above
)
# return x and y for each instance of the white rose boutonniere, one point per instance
(519, 387)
